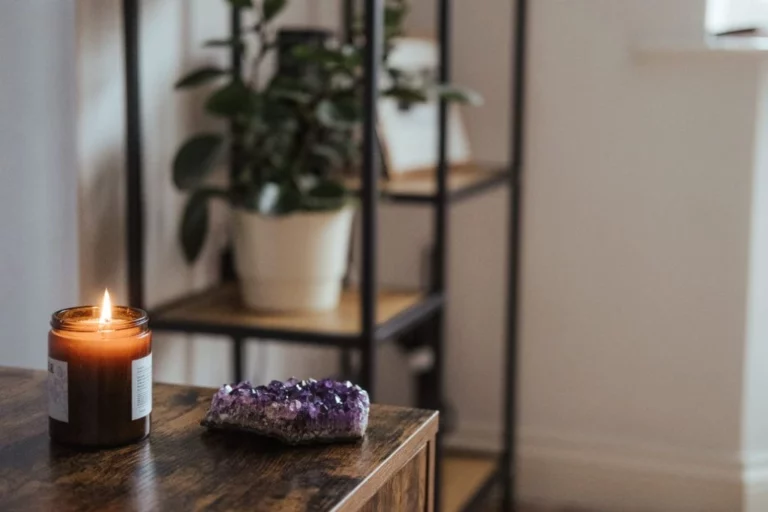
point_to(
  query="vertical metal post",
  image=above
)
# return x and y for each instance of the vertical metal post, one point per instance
(441, 199)
(227, 265)
(441, 228)
(134, 211)
(369, 194)
(236, 61)
(237, 358)
(236, 31)
(437, 342)
(346, 366)
(515, 208)
(347, 22)
(237, 72)
(348, 19)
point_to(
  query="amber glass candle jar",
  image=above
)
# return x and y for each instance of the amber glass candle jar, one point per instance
(99, 376)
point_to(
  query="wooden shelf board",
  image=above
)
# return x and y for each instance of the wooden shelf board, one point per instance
(424, 184)
(462, 477)
(222, 306)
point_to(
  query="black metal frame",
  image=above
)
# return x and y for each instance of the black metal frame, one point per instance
(517, 150)
(133, 165)
(426, 316)
(374, 16)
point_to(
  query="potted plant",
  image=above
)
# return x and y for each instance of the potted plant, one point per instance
(290, 140)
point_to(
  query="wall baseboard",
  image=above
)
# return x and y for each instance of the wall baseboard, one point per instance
(619, 476)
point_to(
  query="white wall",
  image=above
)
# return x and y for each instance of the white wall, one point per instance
(636, 234)
(100, 150)
(38, 239)
(755, 414)
(637, 241)
(172, 37)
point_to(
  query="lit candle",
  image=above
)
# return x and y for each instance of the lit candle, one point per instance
(99, 375)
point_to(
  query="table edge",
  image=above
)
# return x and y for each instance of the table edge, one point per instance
(369, 486)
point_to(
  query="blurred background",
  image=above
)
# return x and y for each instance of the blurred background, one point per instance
(643, 321)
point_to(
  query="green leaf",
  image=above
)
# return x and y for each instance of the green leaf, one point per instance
(394, 16)
(194, 225)
(349, 109)
(347, 58)
(347, 146)
(299, 97)
(218, 43)
(328, 188)
(304, 52)
(326, 113)
(279, 199)
(459, 95)
(195, 159)
(326, 195)
(279, 116)
(268, 197)
(405, 94)
(272, 8)
(221, 42)
(246, 4)
(337, 115)
(200, 76)
(315, 53)
(279, 82)
(289, 202)
(395, 74)
(334, 156)
(232, 99)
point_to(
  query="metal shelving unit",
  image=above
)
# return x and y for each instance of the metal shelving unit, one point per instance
(368, 316)
(463, 182)
(218, 311)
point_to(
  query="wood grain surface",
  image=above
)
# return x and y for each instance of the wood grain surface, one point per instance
(406, 490)
(184, 467)
(424, 184)
(222, 305)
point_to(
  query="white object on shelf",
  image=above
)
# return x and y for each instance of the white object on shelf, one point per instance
(294, 262)
(409, 135)
(421, 360)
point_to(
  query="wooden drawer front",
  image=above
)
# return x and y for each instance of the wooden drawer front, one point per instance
(406, 491)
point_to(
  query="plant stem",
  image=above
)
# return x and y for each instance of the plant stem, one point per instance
(264, 48)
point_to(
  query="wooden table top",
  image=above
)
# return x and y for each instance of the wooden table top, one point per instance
(184, 467)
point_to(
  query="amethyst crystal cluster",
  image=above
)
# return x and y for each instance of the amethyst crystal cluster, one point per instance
(294, 411)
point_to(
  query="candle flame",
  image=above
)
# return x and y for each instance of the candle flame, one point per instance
(106, 310)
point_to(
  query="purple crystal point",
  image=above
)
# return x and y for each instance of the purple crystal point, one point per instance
(294, 411)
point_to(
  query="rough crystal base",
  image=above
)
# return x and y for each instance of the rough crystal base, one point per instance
(294, 411)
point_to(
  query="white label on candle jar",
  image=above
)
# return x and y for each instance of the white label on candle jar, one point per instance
(58, 390)
(141, 387)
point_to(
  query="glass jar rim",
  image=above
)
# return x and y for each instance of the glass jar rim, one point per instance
(74, 319)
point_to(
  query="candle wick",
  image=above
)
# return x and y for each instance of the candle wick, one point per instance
(105, 325)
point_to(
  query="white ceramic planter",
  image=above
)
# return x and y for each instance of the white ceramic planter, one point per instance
(294, 262)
